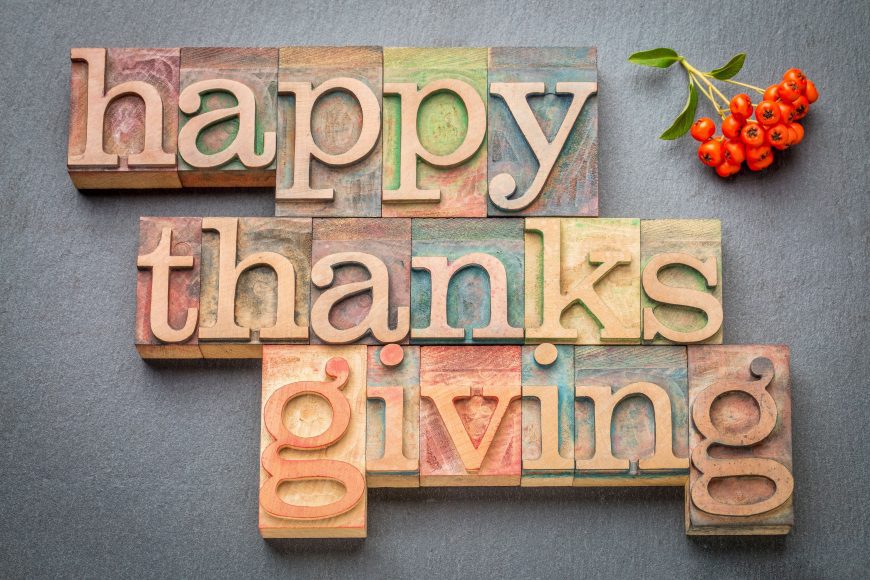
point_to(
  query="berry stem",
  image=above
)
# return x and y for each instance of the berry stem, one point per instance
(700, 75)
(738, 83)
(707, 94)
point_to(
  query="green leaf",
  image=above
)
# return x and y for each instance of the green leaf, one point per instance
(684, 122)
(658, 57)
(731, 69)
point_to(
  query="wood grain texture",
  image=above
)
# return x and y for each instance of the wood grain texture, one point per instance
(393, 420)
(309, 415)
(655, 377)
(336, 126)
(119, 105)
(548, 419)
(442, 125)
(571, 186)
(700, 239)
(740, 436)
(285, 242)
(471, 292)
(389, 240)
(470, 416)
(251, 132)
(183, 286)
(582, 280)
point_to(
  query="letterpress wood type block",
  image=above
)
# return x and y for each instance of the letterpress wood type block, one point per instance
(361, 280)
(470, 415)
(543, 132)
(229, 115)
(548, 415)
(167, 287)
(123, 119)
(681, 264)
(434, 132)
(312, 442)
(631, 418)
(467, 281)
(393, 416)
(582, 280)
(329, 146)
(740, 479)
(255, 284)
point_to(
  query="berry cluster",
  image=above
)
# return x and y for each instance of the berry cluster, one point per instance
(753, 140)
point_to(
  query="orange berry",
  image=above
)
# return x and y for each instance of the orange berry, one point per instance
(703, 129)
(771, 94)
(786, 112)
(759, 165)
(797, 76)
(757, 154)
(752, 134)
(789, 91)
(778, 136)
(735, 152)
(741, 105)
(811, 93)
(711, 153)
(726, 169)
(731, 126)
(798, 133)
(767, 113)
(801, 107)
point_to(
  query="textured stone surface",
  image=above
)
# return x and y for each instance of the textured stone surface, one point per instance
(112, 466)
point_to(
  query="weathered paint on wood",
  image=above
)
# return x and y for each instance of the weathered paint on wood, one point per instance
(740, 479)
(305, 418)
(571, 189)
(442, 125)
(471, 293)
(336, 124)
(393, 419)
(548, 419)
(656, 375)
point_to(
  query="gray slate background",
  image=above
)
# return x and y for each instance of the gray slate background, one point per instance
(110, 466)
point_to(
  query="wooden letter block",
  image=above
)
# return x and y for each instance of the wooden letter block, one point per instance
(467, 281)
(229, 115)
(740, 481)
(255, 284)
(681, 262)
(123, 118)
(393, 416)
(434, 132)
(631, 418)
(312, 442)
(329, 146)
(583, 280)
(470, 415)
(543, 132)
(167, 287)
(361, 280)
(548, 415)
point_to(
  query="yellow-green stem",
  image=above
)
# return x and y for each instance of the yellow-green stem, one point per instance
(738, 83)
(707, 94)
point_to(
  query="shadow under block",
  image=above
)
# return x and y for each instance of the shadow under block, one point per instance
(255, 284)
(393, 417)
(123, 120)
(543, 132)
(361, 280)
(228, 117)
(167, 287)
(329, 145)
(681, 265)
(434, 133)
(312, 442)
(470, 416)
(467, 281)
(740, 480)
(631, 417)
(582, 280)
(548, 419)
